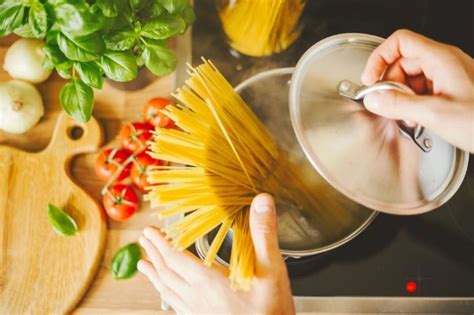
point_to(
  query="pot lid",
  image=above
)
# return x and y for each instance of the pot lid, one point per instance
(380, 163)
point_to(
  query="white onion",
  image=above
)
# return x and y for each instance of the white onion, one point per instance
(24, 60)
(21, 106)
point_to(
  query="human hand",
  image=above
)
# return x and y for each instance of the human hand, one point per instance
(190, 287)
(441, 75)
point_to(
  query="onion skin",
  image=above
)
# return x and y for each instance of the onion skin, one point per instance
(24, 61)
(21, 106)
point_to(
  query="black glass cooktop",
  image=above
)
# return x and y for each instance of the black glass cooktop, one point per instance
(433, 251)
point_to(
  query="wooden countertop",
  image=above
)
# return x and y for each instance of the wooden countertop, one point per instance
(113, 107)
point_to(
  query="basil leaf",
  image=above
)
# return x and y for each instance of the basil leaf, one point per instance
(124, 262)
(119, 66)
(137, 27)
(107, 7)
(47, 64)
(115, 23)
(54, 2)
(140, 61)
(90, 73)
(94, 9)
(188, 15)
(174, 6)
(64, 73)
(128, 14)
(159, 60)
(64, 69)
(110, 8)
(53, 56)
(52, 35)
(76, 18)
(77, 100)
(163, 27)
(24, 31)
(137, 5)
(53, 53)
(11, 17)
(153, 42)
(155, 10)
(62, 223)
(152, 11)
(95, 22)
(37, 19)
(120, 40)
(82, 48)
(69, 16)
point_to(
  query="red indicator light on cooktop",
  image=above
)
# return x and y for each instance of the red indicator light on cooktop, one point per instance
(411, 286)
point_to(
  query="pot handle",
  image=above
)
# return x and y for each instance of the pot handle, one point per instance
(357, 92)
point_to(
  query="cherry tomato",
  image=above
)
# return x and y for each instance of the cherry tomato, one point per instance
(133, 136)
(154, 116)
(120, 202)
(140, 167)
(109, 161)
(172, 125)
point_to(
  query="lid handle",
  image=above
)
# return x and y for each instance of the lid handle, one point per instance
(357, 92)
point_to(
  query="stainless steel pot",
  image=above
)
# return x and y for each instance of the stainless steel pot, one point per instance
(301, 231)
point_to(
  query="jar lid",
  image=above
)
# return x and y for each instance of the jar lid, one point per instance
(380, 163)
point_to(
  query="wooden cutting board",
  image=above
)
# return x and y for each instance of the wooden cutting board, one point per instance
(43, 272)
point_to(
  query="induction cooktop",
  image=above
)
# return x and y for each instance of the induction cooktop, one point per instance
(429, 255)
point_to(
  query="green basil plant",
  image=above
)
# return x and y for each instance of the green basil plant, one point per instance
(87, 40)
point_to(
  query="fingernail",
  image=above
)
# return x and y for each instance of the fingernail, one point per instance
(141, 240)
(140, 265)
(373, 100)
(148, 231)
(263, 204)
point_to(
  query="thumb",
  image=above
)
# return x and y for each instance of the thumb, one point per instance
(264, 231)
(403, 106)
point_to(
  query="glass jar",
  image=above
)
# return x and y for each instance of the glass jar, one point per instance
(262, 27)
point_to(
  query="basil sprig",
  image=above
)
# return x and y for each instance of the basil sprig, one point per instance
(87, 40)
(61, 222)
(124, 263)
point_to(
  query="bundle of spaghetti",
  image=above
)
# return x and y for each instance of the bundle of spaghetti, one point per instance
(225, 157)
(263, 27)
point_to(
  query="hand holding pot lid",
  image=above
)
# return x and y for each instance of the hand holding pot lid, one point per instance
(371, 159)
(443, 73)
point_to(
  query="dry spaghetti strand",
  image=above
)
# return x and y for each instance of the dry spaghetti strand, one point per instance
(225, 156)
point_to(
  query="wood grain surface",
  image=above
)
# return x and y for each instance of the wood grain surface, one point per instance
(113, 108)
(43, 272)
